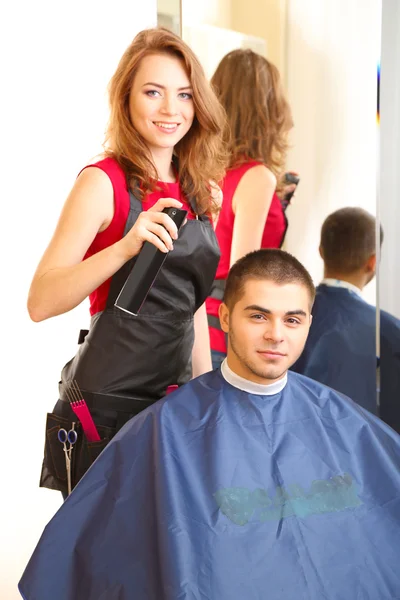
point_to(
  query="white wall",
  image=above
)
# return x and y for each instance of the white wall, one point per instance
(169, 7)
(213, 28)
(333, 48)
(57, 59)
(211, 44)
(209, 12)
(389, 275)
(265, 19)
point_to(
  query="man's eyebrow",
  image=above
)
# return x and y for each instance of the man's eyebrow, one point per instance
(296, 313)
(162, 87)
(259, 308)
(289, 313)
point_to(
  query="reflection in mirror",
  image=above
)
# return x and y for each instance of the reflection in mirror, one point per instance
(329, 77)
(169, 15)
(389, 213)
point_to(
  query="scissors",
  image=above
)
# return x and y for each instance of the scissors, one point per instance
(70, 436)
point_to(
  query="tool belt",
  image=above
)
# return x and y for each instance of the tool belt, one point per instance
(109, 412)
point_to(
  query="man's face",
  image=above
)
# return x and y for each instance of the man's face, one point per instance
(267, 328)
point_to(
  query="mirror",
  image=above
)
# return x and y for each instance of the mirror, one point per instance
(389, 214)
(326, 53)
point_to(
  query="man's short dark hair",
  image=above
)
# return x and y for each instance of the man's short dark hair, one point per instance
(270, 264)
(348, 239)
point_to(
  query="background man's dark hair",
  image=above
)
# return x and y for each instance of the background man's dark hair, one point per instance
(348, 239)
(277, 266)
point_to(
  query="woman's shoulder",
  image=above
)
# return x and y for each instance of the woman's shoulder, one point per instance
(244, 166)
(258, 172)
(252, 172)
(257, 183)
(110, 166)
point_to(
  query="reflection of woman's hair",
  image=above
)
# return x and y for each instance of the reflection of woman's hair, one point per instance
(200, 153)
(250, 89)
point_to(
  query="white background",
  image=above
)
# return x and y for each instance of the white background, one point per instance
(57, 59)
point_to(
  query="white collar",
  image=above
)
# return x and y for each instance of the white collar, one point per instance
(249, 386)
(341, 284)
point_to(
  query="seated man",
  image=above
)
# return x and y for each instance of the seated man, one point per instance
(248, 483)
(341, 348)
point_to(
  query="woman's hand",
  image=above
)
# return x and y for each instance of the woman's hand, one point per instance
(152, 226)
(286, 189)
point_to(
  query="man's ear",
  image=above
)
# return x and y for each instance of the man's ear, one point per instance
(223, 313)
(370, 265)
(321, 253)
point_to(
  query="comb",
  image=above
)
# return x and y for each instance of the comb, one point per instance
(81, 409)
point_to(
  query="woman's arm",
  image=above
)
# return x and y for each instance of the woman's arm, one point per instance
(201, 353)
(251, 203)
(63, 280)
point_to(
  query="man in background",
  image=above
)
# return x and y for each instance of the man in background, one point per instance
(341, 347)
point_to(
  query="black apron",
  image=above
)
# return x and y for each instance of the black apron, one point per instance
(125, 363)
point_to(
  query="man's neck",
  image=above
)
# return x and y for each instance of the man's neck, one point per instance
(357, 279)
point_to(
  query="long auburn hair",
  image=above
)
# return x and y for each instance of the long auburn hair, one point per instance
(249, 88)
(201, 153)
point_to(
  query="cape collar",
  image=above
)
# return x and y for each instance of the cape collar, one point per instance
(249, 386)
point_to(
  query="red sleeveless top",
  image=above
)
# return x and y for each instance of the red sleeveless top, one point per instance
(115, 230)
(272, 237)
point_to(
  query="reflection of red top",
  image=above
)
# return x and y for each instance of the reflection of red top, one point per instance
(272, 238)
(115, 230)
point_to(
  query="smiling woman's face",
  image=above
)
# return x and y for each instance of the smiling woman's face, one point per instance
(161, 102)
(268, 328)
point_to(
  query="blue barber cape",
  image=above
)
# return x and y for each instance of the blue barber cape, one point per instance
(218, 494)
(341, 351)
